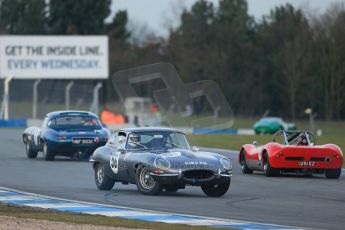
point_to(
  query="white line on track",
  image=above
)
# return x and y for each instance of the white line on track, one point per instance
(127, 213)
(58, 205)
(206, 220)
(6, 198)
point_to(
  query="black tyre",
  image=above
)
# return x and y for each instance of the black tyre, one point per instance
(145, 182)
(47, 153)
(268, 170)
(333, 173)
(244, 167)
(102, 180)
(29, 151)
(216, 190)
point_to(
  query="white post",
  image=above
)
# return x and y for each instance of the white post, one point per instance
(6, 98)
(34, 98)
(67, 94)
(95, 101)
(312, 117)
(216, 114)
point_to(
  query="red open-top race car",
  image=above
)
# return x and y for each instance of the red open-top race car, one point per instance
(292, 151)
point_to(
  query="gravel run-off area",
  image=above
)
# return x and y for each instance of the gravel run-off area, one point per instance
(15, 223)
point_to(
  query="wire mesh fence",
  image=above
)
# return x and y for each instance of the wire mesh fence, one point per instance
(51, 95)
(151, 95)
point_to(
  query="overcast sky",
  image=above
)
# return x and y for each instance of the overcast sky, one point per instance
(156, 15)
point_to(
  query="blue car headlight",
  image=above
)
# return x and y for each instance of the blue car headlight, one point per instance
(226, 163)
(162, 163)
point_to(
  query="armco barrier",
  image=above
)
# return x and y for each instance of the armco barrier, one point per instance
(13, 123)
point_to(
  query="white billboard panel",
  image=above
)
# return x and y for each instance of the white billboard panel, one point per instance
(54, 57)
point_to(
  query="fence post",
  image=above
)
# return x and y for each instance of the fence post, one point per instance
(95, 101)
(34, 98)
(67, 94)
(6, 98)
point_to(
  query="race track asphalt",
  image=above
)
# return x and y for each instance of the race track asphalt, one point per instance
(314, 202)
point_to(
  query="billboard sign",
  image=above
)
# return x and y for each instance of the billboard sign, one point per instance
(54, 57)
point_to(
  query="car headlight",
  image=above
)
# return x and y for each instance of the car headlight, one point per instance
(226, 163)
(162, 163)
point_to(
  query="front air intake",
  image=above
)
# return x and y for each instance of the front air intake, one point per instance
(294, 158)
(198, 174)
(319, 159)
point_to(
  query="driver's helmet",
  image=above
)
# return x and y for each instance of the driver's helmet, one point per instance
(302, 140)
(134, 138)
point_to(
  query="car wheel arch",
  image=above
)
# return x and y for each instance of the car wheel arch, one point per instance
(95, 164)
(137, 166)
(265, 156)
(241, 155)
(248, 148)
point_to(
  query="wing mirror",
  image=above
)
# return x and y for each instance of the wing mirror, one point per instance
(194, 148)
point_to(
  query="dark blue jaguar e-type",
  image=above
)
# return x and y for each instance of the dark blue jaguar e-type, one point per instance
(159, 158)
(66, 133)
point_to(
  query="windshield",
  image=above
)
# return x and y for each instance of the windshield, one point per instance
(297, 138)
(74, 121)
(271, 119)
(157, 140)
(300, 138)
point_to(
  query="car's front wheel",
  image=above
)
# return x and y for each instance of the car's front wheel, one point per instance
(102, 180)
(47, 153)
(29, 151)
(333, 173)
(146, 183)
(244, 167)
(216, 190)
(269, 171)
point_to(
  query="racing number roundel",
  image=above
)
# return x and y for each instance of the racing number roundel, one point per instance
(114, 162)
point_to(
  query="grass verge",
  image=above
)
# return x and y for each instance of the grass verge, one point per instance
(50, 215)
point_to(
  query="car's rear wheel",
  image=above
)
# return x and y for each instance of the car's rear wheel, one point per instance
(268, 169)
(29, 151)
(333, 173)
(244, 167)
(47, 153)
(102, 180)
(146, 183)
(216, 190)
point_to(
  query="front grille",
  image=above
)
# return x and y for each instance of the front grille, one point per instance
(198, 174)
(294, 158)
